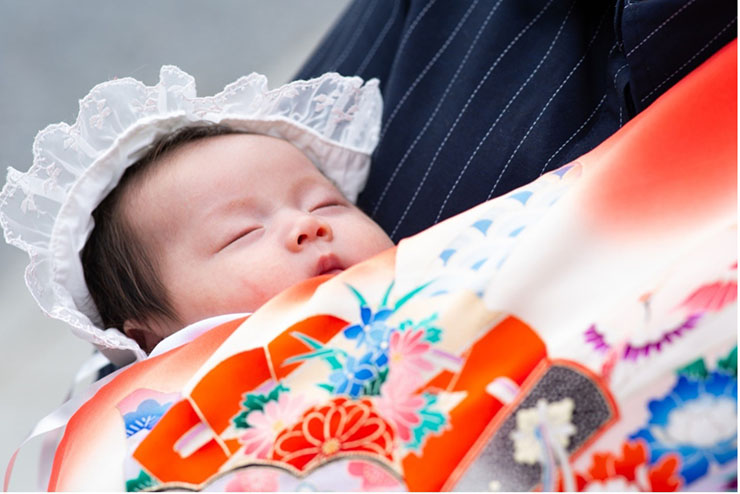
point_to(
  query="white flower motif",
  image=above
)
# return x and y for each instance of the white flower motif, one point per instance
(552, 419)
(701, 423)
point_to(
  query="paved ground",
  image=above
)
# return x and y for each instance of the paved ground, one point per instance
(51, 53)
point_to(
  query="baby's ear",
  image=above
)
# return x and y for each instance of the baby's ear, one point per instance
(141, 334)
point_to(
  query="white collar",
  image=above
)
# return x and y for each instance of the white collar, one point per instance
(192, 331)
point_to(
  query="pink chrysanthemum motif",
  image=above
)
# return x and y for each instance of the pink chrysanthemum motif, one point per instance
(401, 408)
(266, 424)
(406, 355)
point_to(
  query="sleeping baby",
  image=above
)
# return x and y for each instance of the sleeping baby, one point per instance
(217, 223)
(168, 209)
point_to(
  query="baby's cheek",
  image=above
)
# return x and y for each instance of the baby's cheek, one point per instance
(377, 240)
(248, 293)
(261, 281)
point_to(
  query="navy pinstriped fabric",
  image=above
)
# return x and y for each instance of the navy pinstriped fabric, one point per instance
(482, 96)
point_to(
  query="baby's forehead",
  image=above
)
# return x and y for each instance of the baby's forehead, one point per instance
(235, 165)
(256, 149)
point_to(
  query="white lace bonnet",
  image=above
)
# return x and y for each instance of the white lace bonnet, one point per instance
(46, 211)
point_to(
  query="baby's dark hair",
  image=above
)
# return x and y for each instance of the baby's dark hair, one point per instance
(120, 271)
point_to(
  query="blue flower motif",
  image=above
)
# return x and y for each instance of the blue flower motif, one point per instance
(352, 377)
(697, 420)
(379, 354)
(146, 416)
(373, 330)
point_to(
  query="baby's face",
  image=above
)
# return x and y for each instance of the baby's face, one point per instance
(235, 219)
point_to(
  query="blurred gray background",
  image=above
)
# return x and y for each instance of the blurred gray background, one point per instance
(51, 53)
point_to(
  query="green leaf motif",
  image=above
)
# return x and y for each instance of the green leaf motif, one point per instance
(432, 335)
(307, 340)
(143, 481)
(427, 323)
(432, 421)
(373, 386)
(384, 302)
(328, 354)
(327, 387)
(255, 401)
(400, 303)
(729, 363)
(404, 325)
(357, 295)
(695, 370)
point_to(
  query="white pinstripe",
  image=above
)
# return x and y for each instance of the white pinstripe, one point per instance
(614, 79)
(544, 108)
(354, 39)
(428, 66)
(614, 83)
(467, 103)
(379, 39)
(412, 27)
(501, 114)
(616, 45)
(434, 112)
(733, 21)
(578, 130)
(662, 24)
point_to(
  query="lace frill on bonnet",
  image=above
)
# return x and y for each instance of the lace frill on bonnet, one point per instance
(46, 211)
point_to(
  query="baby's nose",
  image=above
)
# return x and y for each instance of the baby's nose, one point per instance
(307, 229)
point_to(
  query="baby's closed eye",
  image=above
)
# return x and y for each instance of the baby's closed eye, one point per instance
(249, 231)
(327, 205)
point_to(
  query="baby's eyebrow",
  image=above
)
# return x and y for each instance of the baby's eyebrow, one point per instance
(310, 183)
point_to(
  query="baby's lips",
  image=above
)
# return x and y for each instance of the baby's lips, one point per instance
(328, 264)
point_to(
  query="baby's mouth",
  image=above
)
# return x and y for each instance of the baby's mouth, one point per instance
(328, 264)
